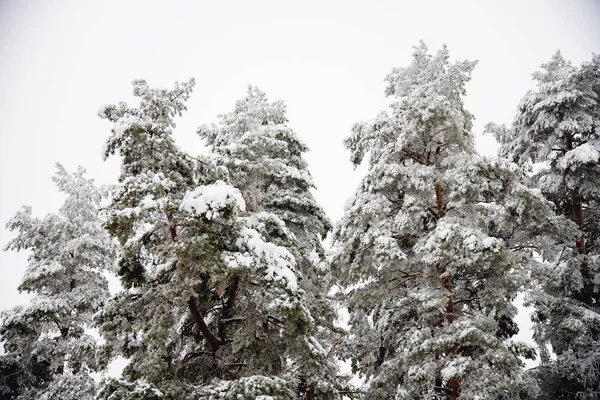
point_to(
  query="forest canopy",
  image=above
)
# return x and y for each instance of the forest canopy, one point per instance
(235, 284)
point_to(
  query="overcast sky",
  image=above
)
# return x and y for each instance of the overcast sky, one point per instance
(61, 60)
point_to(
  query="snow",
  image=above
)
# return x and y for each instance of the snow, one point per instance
(249, 387)
(38, 270)
(69, 249)
(103, 108)
(454, 368)
(149, 202)
(212, 201)
(315, 260)
(394, 228)
(315, 347)
(278, 260)
(123, 124)
(586, 153)
(128, 212)
(105, 201)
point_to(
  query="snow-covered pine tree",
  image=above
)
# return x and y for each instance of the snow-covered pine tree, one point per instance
(212, 305)
(48, 353)
(422, 247)
(557, 126)
(264, 157)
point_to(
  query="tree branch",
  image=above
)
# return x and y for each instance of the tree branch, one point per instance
(233, 365)
(441, 206)
(194, 354)
(466, 300)
(212, 340)
(432, 211)
(232, 320)
(146, 236)
(405, 236)
(415, 157)
(173, 232)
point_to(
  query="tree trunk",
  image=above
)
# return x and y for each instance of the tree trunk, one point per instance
(228, 307)
(447, 284)
(310, 393)
(586, 293)
(446, 280)
(173, 232)
(439, 202)
(64, 336)
(454, 383)
(212, 340)
(578, 215)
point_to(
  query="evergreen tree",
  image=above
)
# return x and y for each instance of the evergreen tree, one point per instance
(264, 159)
(423, 247)
(212, 305)
(49, 354)
(557, 126)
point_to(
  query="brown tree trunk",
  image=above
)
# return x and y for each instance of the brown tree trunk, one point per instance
(210, 337)
(439, 202)
(586, 292)
(447, 284)
(446, 280)
(578, 215)
(454, 383)
(310, 393)
(173, 232)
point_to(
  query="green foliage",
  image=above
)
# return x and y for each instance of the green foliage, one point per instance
(423, 249)
(556, 128)
(48, 354)
(211, 279)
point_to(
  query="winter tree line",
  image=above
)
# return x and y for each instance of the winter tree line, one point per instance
(229, 293)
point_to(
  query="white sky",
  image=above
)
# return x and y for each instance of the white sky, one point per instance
(61, 60)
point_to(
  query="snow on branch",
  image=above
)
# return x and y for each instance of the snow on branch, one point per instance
(213, 201)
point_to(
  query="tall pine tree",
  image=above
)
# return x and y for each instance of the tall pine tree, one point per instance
(264, 158)
(423, 246)
(212, 304)
(49, 353)
(557, 127)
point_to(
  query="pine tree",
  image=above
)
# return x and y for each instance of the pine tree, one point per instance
(263, 156)
(423, 248)
(212, 305)
(49, 353)
(557, 127)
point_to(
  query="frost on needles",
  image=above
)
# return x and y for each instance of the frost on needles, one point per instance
(227, 288)
(424, 247)
(49, 351)
(557, 129)
(214, 304)
(264, 159)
